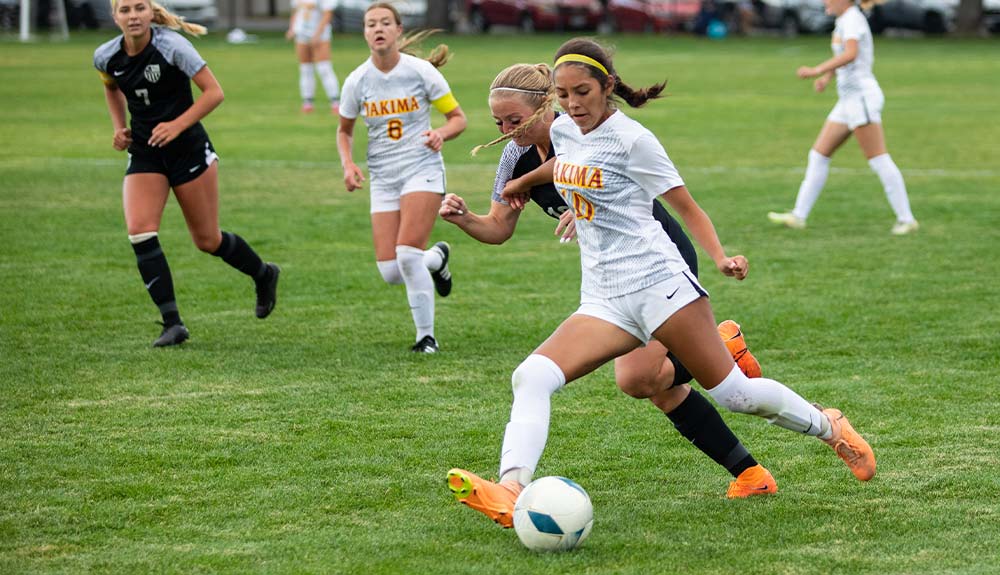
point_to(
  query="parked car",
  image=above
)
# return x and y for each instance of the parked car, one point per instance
(97, 13)
(791, 17)
(930, 16)
(349, 15)
(530, 15)
(991, 16)
(651, 15)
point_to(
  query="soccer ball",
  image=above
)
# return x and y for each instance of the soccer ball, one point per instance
(553, 514)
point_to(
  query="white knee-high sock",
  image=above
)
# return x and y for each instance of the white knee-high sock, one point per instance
(419, 288)
(307, 82)
(895, 188)
(433, 260)
(390, 272)
(772, 401)
(817, 170)
(534, 382)
(329, 79)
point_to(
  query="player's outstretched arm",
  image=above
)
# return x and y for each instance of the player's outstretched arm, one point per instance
(495, 227)
(701, 227)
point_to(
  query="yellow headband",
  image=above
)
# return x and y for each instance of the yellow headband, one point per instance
(582, 60)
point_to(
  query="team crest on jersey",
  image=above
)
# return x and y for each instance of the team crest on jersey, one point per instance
(152, 73)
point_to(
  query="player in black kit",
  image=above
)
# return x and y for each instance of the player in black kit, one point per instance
(521, 102)
(149, 68)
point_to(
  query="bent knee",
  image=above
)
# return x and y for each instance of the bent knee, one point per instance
(207, 243)
(638, 386)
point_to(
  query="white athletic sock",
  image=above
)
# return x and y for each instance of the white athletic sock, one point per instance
(329, 79)
(534, 382)
(390, 272)
(771, 400)
(419, 288)
(307, 82)
(817, 170)
(895, 188)
(433, 260)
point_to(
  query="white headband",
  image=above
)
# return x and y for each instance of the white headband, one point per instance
(520, 90)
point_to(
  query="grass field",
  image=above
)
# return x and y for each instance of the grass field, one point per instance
(314, 442)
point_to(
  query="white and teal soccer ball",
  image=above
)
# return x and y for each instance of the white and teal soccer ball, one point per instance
(553, 514)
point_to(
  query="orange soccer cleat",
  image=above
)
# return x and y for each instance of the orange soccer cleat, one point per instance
(495, 500)
(755, 480)
(732, 336)
(849, 445)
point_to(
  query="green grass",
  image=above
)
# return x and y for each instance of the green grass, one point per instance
(313, 442)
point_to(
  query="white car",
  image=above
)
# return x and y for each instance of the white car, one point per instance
(349, 15)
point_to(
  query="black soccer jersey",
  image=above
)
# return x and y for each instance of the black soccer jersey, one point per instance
(517, 161)
(156, 82)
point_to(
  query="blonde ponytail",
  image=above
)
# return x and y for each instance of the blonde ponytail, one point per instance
(530, 82)
(166, 18)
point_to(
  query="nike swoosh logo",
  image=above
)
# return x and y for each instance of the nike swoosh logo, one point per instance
(673, 294)
(191, 171)
(761, 488)
(153, 281)
(118, 73)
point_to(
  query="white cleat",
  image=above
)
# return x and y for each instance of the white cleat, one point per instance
(787, 219)
(903, 228)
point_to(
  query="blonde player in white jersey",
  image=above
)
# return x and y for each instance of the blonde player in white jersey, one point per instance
(310, 26)
(858, 111)
(635, 287)
(394, 92)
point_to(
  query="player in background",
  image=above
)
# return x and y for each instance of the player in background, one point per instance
(310, 26)
(395, 92)
(521, 99)
(635, 285)
(858, 111)
(149, 68)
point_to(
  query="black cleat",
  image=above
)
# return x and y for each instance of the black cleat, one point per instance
(442, 277)
(175, 334)
(426, 345)
(267, 292)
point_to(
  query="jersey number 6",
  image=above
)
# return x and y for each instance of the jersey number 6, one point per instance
(395, 129)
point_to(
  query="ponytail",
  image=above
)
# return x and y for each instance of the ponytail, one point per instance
(439, 55)
(597, 61)
(530, 82)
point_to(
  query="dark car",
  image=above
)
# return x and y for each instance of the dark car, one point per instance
(530, 15)
(651, 15)
(930, 16)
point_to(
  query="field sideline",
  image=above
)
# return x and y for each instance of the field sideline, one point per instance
(314, 442)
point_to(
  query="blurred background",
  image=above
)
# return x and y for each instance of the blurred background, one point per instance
(714, 18)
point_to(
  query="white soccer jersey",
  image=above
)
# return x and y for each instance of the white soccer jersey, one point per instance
(308, 14)
(856, 77)
(609, 177)
(397, 110)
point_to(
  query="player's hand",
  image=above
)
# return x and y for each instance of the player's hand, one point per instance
(289, 34)
(453, 208)
(122, 139)
(434, 140)
(353, 177)
(807, 72)
(164, 133)
(566, 229)
(315, 40)
(736, 267)
(820, 84)
(516, 194)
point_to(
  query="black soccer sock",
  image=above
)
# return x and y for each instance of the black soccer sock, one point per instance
(698, 420)
(156, 275)
(681, 373)
(236, 252)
